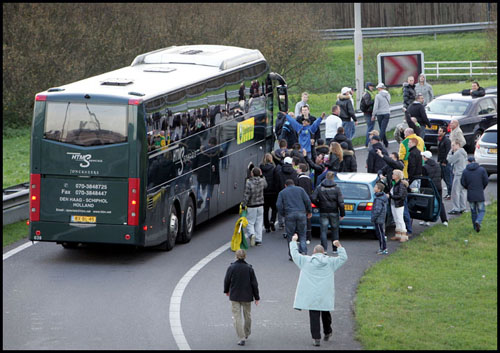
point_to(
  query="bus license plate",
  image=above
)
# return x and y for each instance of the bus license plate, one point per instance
(83, 219)
(348, 207)
(492, 150)
(434, 127)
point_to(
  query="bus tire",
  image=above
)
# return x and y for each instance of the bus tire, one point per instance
(172, 231)
(188, 223)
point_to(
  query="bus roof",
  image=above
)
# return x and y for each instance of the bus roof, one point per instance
(162, 71)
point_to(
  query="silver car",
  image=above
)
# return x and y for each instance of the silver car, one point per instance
(486, 150)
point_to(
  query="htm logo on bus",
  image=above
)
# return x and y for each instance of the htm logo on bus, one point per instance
(84, 158)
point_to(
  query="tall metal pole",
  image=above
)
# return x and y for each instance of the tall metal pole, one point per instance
(358, 53)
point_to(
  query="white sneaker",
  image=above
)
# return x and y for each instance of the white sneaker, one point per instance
(308, 242)
(428, 224)
(445, 224)
(252, 240)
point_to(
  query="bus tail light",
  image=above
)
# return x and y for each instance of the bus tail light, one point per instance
(133, 201)
(35, 197)
(313, 205)
(41, 98)
(365, 206)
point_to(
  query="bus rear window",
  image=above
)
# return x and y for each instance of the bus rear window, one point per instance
(86, 124)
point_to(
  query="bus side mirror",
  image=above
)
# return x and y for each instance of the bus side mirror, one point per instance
(282, 98)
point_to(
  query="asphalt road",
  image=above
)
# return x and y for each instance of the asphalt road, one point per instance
(118, 298)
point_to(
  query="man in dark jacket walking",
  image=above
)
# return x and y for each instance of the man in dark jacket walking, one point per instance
(444, 146)
(414, 160)
(374, 162)
(347, 113)
(366, 106)
(270, 192)
(240, 285)
(475, 179)
(328, 197)
(433, 171)
(295, 206)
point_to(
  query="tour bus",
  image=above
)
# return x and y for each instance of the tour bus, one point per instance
(143, 154)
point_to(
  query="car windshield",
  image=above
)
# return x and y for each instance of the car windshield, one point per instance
(447, 107)
(86, 124)
(354, 191)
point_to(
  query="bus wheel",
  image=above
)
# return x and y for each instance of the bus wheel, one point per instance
(173, 229)
(188, 223)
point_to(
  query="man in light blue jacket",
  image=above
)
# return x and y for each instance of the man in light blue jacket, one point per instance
(316, 287)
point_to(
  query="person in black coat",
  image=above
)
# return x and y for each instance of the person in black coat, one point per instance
(414, 160)
(321, 147)
(374, 162)
(475, 179)
(432, 169)
(270, 192)
(285, 172)
(475, 91)
(417, 110)
(341, 137)
(348, 163)
(409, 93)
(241, 286)
(392, 162)
(318, 166)
(444, 147)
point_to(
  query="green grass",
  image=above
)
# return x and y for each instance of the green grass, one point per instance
(16, 156)
(435, 292)
(14, 232)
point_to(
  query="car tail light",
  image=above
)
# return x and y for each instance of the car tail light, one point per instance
(477, 146)
(35, 197)
(313, 205)
(365, 206)
(133, 201)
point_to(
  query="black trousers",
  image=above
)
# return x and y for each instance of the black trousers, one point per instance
(270, 202)
(314, 316)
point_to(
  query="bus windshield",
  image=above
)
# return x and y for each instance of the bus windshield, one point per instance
(86, 124)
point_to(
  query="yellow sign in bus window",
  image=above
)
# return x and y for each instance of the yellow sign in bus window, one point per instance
(245, 130)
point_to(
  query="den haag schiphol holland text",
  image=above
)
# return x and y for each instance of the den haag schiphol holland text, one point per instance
(81, 201)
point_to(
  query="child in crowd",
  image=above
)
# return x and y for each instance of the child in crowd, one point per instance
(379, 211)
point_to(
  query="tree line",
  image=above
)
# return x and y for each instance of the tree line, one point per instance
(47, 45)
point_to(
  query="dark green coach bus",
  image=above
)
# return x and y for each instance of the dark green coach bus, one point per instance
(142, 154)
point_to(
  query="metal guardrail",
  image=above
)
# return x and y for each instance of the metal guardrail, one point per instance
(441, 68)
(15, 203)
(375, 32)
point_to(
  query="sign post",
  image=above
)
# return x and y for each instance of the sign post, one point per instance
(358, 53)
(395, 67)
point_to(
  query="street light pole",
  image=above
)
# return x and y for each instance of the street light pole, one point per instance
(358, 53)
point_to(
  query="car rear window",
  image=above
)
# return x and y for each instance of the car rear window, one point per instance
(355, 191)
(447, 107)
(489, 137)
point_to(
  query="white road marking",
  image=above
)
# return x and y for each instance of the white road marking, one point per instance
(176, 298)
(18, 249)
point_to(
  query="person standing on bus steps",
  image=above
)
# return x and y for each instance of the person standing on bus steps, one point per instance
(366, 106)
(382, 111)
(347, 113)
(475, 179)
(241, 286)
(288, 133)
(270, 192)
(425, 89)
(316, 286)
(253, 200)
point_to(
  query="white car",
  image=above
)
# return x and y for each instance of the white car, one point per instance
(486, 150)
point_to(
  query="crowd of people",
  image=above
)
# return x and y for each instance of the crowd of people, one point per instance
(302, 171)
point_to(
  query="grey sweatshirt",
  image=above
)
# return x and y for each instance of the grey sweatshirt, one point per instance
(458, 160)
(382, 103)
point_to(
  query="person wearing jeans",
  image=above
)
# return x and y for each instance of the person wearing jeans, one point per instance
(382, 111)
(295, 205)
(253, 200)
(383, 121)
(328, 197)
(475, 179)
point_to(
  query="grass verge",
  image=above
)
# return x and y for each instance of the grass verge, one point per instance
(438, 291)
(16, 156)
(14, 232)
